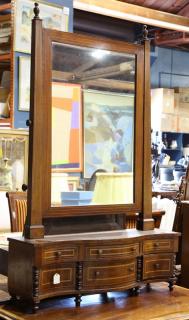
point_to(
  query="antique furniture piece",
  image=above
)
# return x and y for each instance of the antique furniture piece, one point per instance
(164, 194)
(3, 254)
(17, 202)
(178, 226)
(84, 249)
(131, 219)
(4, 246)
(184, 243)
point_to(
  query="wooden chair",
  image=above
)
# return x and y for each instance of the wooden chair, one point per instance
(91, 182)
(182, 195)
(17, 202)
(131, 219)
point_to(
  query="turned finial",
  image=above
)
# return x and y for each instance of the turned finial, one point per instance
(145, 33)
(36, 10)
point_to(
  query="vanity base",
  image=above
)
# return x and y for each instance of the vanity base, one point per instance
(88, 263)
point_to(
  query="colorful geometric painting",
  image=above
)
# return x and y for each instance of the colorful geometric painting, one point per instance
(66, 127)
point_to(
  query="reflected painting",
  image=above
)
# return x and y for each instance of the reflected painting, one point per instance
(108, 132)
(66, 127)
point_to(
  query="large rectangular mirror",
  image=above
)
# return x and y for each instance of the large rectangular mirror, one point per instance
(93, 110)
(91, 125)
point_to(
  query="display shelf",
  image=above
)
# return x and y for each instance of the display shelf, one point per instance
(182, 140)
(5, 35)
(6, 120)
(5, 57)
(5, 17)
(5, 124)
(170, 149)
(5, 6)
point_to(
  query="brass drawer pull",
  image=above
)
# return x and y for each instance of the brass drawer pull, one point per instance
(157, 266)
(100, 251)
(131, 269)
(156, 244)
(97, 273)
(58, 254)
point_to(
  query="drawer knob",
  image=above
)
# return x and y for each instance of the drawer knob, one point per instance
(131, 269)
(58, 254)
(156, 244)
(157, 266)
(100, 251)
(133, 249)
(97, 273)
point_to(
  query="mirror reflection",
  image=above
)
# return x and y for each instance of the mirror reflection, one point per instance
(93, 111)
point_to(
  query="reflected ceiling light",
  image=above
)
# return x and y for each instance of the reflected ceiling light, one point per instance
(99, 54)
(130, 12)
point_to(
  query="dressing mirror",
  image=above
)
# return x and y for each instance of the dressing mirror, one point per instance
(89, 129)
(95, 105)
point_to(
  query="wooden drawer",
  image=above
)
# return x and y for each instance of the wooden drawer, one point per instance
(64, 274)
(57, 254)
(112, 252)
(162, 245)
(101, 275)
(157, 266)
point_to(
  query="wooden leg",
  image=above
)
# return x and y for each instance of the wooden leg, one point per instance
(35, 306)
(78, 300)
(104, 297)
(13, 298)
(36, 299)
(148, 287)
(136, 291)
(131, 292)
(171, 284)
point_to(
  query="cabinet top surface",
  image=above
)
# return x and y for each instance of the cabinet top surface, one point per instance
(99, 236)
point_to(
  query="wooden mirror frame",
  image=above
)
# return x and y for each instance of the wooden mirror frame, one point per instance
(39, 177)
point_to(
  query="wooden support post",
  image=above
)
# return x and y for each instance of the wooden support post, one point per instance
(146, 221)
(33, 226)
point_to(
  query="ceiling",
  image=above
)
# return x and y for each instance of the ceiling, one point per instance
(180, 7)
(167, 37)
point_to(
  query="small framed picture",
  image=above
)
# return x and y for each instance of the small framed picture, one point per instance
(54, 17)
(24, 83)
(73, 183)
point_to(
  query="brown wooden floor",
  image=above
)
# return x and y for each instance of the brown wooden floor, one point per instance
(159, 304)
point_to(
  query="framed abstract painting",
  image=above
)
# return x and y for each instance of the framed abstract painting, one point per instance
(67, 154)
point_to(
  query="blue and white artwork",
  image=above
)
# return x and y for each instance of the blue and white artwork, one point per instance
(108, 132)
